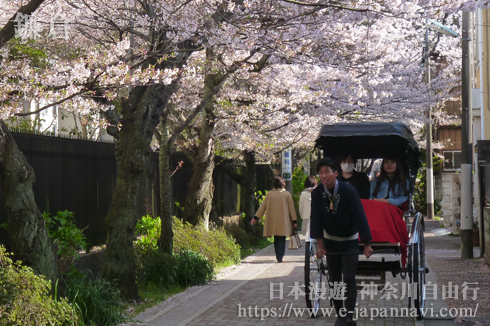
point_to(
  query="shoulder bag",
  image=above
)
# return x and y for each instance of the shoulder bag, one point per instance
(294, 240)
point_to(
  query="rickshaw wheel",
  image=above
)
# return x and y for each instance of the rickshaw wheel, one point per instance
(314, 275)
(418, 269)
(419, 277)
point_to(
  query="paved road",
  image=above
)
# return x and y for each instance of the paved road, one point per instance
(227, 300)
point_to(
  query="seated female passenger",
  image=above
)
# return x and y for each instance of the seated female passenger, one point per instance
(391, 186)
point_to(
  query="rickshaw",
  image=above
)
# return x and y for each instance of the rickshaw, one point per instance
(374, 141)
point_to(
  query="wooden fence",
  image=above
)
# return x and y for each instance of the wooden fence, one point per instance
(80, 176)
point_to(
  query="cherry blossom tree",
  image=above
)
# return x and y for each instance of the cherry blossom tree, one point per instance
(267, 75)
(378, 78)
(124, 64)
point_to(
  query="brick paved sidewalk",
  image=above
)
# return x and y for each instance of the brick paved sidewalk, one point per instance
(248, 285)
(444, 256)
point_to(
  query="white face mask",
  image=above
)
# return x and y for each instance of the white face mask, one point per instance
(347, 167)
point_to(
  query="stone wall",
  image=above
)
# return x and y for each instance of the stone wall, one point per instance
(234, 219)
(451, 198)
(91, 262)
(438, 188)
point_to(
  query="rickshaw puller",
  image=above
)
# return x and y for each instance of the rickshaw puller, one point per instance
(337, 222)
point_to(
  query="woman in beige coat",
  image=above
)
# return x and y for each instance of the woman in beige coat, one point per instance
(280, 216)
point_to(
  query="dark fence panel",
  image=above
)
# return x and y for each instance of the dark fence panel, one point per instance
(225, 198)
(265, 177)
(80, 176)
(75, 175)
(180, 180)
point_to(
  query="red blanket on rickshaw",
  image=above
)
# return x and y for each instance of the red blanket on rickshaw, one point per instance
(387, 224)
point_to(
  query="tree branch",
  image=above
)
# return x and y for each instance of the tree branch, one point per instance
(324, 5)
(8, 30)
(281, 126)
(238, 178)
(50, 105)
(261, 63)
(205, 100)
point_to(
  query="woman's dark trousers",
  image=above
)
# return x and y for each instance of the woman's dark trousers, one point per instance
(280, 246)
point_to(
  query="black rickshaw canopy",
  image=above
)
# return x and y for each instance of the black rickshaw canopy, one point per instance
(371, 140)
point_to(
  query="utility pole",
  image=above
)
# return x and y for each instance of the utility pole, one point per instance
(466, 146)
(441, 29)
(429, 173)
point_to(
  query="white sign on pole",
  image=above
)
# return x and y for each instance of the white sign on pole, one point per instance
(286, 164)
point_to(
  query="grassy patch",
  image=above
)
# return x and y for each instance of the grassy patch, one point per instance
(151, 295)
(97, 300)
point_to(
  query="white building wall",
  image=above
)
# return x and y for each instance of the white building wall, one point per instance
(58, 122)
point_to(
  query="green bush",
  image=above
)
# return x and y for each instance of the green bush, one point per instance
(193, 268)
(241, 236)
(158, 269)
(96, 299)
(8, 290)
(216, 245)
(298, 184)
(65, 234)
(259, 196)
(25, 298)
(186, 268)
(196, 253)
(149, 229)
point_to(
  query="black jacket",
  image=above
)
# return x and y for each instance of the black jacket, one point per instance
(346, 218)
(360, 181)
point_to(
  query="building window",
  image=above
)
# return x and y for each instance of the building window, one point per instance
(452, 160)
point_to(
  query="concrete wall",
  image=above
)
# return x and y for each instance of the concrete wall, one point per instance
(451, 198)
(438, 188)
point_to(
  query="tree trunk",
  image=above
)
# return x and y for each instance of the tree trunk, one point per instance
(140, 116)
(141, 113)
(25, 224)
(166, 241)
(249, 188)
(199, 198)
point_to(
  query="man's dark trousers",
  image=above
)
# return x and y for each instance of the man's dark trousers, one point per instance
(346, 265)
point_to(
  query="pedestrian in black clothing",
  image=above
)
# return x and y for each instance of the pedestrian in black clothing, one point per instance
(337, 222)
(358, 180)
